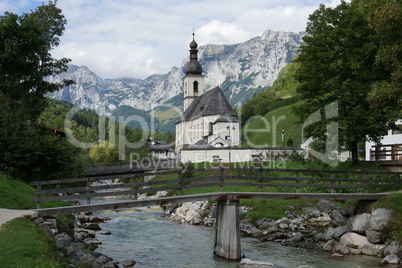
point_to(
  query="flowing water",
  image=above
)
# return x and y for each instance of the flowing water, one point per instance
(144, 235)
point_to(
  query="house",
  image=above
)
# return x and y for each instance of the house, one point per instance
(390, 147)
(208, 118)
(159, 149)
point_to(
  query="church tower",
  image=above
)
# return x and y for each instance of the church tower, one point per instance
(194, 80)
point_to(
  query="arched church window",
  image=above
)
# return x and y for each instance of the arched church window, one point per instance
(195, 86)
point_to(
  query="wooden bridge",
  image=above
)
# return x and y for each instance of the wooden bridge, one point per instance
(222, 184)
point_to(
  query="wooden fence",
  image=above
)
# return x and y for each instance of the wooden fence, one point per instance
(386, 152)
(259, 179)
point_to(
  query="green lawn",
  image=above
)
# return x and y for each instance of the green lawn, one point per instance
(266, 131)
(23, 244)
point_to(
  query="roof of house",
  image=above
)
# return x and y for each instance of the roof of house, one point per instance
(212, 102)
(201, 144)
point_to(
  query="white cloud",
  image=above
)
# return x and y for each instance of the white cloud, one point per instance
(137, 38)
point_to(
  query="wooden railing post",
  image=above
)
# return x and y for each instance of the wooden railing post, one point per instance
(88, 190)
(366, 183)
(332, 182)
(222, 179)
(260, 188)
(180, 190)
(298, 181)
(38, 188)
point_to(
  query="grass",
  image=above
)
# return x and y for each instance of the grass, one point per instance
(271, 208)
(393, 201)
(15, 194)
(266, 131)
(23, 244)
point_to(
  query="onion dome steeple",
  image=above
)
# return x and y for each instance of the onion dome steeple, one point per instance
(193, 66)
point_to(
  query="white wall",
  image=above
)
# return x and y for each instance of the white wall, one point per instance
(390, 139)
(227, 154)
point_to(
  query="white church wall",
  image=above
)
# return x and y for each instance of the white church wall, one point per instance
(232, 155)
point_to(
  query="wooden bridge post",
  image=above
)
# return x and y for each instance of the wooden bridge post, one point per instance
(227, 233)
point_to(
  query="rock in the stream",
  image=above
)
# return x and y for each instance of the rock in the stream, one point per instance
(129, 263)
(250, 262)
(391, 259)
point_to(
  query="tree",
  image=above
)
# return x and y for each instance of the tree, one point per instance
(337, 65)
(25, 59)
(385, 18)
(27, 151)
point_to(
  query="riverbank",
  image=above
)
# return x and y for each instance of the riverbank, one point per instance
(353, 229)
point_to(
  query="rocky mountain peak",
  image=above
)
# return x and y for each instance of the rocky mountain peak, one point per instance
(240, 70)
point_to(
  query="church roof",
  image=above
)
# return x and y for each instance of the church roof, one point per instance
(212, 102)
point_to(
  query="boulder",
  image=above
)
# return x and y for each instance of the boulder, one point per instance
(380, 218)
(311, 211)
(328, 234)
(92, 243)
(250, 262)
(341, 248)
(91, 261)
(110, 265)
(372, 249)
(337, 255)
(283, 226)
(62, 242)
(296, 238)
(359, 223)
(352, 239)
(339, 231)
(391, 259)
(349, 211)
(328, 246)
(247, 229)
(265, 223)
(129, 263)
(337, 218)
(391, 248)
(326, 206)
(193, 216)
(321, 221)
(92, 226)
(317, 237)
(375, 237)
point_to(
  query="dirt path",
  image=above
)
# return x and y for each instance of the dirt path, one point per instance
(9, 214)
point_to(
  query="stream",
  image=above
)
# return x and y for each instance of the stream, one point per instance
(152, 240)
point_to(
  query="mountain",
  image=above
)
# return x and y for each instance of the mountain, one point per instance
(240, 70)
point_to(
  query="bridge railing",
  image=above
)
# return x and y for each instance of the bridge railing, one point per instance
(215, 180)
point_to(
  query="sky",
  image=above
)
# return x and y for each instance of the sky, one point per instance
(138, 38)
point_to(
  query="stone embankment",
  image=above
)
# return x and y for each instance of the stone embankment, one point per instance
(352, 230)
(76, 240)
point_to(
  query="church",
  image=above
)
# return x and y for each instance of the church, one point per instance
(208, 120)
